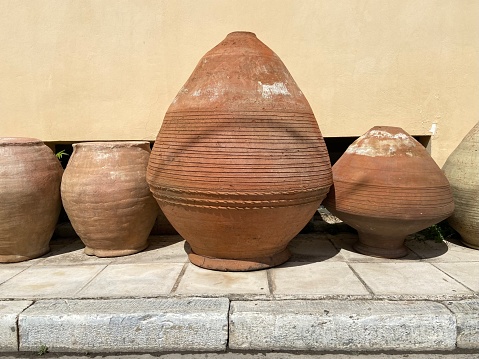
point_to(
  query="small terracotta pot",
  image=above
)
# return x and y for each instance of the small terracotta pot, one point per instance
(462, 170)
(106, 196)
(239, 165)
(30, 204)
(387, 186)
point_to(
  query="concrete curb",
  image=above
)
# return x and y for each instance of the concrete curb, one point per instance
(125, 325)
(9, 312)
(363, 325)
(215, 324)
(467, 316)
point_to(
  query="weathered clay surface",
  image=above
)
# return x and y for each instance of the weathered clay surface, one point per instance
(106, 196)
(30, 177)
(387, 186)
(462, 171)
(239, 165)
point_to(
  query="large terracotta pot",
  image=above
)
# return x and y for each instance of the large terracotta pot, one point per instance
(106, 196)
(239, 165)
(30, 204)
(462, 170)
(387, 186)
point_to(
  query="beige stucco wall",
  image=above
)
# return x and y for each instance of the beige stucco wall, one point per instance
(75, 70)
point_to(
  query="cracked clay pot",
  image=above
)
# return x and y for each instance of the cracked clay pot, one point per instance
(106, 197)
(30, 204)
(239, 165)
(387, 186)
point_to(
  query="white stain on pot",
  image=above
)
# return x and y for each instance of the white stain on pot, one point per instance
(278, 88)
(118, 176)
(212, 93)
(382, 143)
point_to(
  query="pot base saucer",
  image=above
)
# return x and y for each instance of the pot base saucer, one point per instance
(237, 265)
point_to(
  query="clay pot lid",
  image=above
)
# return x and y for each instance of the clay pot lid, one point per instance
(387, 141)
(111, 144)
(19, 141)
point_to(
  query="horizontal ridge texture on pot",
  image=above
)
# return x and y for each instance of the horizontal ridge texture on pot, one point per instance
(387, 186)
(462, 170)
(30, 177)
(106, 196)
(239, 164)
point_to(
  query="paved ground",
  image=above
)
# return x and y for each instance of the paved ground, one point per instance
(323, 273)
(323, 266)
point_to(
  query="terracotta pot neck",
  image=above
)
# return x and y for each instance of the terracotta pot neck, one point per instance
(241, 33)
(111, 144)
(19, 141)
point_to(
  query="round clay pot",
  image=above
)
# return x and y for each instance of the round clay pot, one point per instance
(30, 204)
(387, 186)
(239, 165)
(462, 170)
(106, 196)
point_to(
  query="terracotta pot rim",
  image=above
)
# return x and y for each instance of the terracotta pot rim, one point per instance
(19, 141)
(385, 127)
(111, 144)
(241, 33)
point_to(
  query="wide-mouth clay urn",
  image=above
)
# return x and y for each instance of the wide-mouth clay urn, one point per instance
(387, 186)
(30, 204)
(462, 170)
(239, 165)
(106, 197)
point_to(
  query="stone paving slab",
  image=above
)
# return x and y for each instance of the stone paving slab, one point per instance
(9, 312)
(57, 281)
(313, 247)
(198, 280)
(409, 279)
(316, 279)
(446, 251)
(126, 325)
(467, 316)
(9, 271)
(133, 280)
(466, 273)
(341, 325)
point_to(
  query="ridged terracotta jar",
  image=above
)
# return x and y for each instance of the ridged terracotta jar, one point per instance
(106, 197)
(387, 186)
(30, 204)
(239, 165)
(462, 170)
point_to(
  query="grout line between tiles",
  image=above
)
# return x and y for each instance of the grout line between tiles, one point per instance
(454, 279)
(370, 291)
(91, 280)
(178, 280)
(271, 284)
